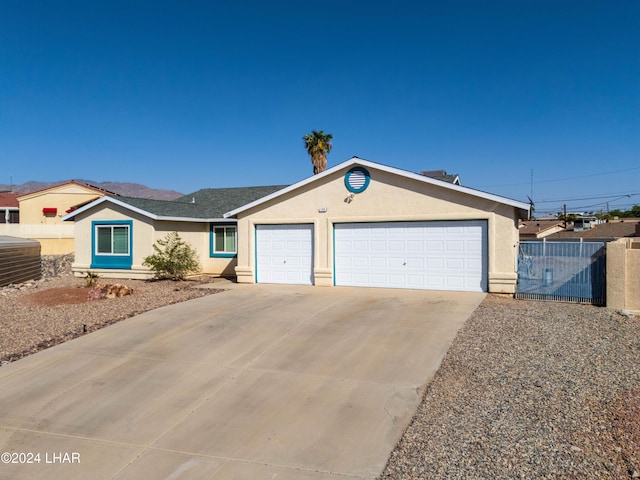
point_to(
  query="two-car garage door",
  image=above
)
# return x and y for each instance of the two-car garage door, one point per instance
(438, 255)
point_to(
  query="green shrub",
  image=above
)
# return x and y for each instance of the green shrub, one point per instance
(174, 258)
(90, 279)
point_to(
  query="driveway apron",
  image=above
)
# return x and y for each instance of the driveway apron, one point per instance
(259, 381)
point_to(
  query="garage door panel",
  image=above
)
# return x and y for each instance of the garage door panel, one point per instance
(455, 246)
(416, 281)
(415, 246)
(396, 262)
(413, 263)
(378, 245)
(455, 264)
(431, 255)
(433, 246)
(474, 264)
(396, 245)
(378, 262)
(284, 254)
(455, 283)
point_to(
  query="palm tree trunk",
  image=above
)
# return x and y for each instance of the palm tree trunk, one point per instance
(319, 163)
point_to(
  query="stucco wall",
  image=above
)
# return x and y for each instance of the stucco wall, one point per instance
(56, 246)
(623, 275)
(31, 205)
(55, 239)
(198, 236)
(145, 233)
(388, 197)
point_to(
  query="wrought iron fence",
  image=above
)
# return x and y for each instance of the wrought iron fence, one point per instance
(562, 271)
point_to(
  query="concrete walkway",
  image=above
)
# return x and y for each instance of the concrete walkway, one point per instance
(260, 381)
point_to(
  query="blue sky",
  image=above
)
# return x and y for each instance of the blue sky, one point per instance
(194, 94)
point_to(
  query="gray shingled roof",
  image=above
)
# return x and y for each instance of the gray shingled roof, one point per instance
(441, 175)
(205, 203)
(445, 178)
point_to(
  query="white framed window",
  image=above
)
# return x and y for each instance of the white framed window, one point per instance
(225, 239)
(112, 239)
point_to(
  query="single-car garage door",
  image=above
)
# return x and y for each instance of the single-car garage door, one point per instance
(440, 255)
(284, 254)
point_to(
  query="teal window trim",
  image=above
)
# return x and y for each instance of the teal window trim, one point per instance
(367, 179)
(333, 229)
(255, 251)
(123, 261)
(212, 240)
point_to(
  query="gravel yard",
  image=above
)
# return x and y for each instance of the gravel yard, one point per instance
(530, 390)
(55, 310)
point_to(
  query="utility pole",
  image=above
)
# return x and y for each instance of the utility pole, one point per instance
(565, 215)
(531, 192)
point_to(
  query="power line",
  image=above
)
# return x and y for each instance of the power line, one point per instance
(591, 207)
(561, 179)
(598, 197)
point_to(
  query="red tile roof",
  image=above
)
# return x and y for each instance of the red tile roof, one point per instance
(9, 199)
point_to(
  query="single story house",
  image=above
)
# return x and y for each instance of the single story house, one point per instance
(534, 229)
(361, 223)
(358, 223)
(114, 234)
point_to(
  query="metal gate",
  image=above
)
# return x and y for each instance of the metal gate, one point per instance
(562, 271)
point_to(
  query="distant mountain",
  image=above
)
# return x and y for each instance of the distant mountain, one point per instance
(121, 188)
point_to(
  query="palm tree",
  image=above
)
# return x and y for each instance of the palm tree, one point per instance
(318, 145)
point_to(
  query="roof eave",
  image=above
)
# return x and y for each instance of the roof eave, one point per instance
(115, 201)
(152, 216)
(40, 191)
(194, 219)
(523, 208)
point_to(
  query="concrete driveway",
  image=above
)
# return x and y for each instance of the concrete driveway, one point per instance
(260, 381)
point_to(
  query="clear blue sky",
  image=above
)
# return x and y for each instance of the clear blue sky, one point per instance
(193, 94)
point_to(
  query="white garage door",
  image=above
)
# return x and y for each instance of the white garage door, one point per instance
(449, 255)
(284, 254)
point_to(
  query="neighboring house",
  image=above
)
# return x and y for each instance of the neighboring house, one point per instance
(361, 223)
(115, 234)
(49, 205)
(9, 207)
(604, 232)
(442, 175)
(534, 229)
(41, 215)
(584, 222)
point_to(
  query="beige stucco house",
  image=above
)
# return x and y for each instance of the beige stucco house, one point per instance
(359, 223)
(365, 224)
(41, 215)
(48, 205)
(114, 234)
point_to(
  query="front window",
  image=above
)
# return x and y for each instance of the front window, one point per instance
(224, 239)
(112, 244)
(112, 239)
